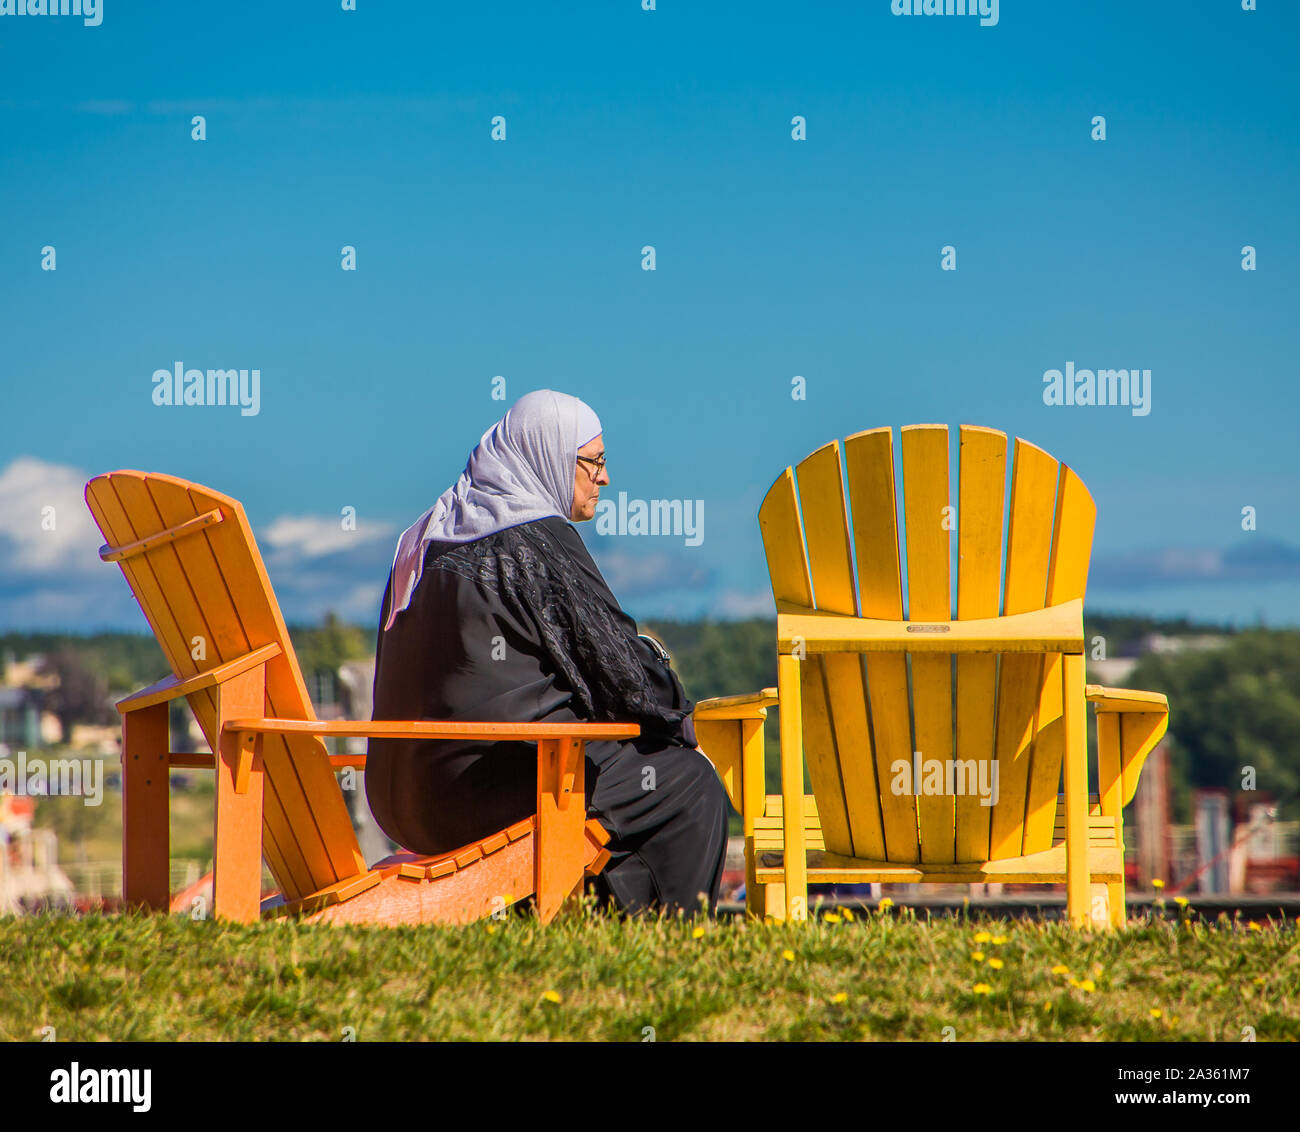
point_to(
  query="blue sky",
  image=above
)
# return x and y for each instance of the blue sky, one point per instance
(522, 258)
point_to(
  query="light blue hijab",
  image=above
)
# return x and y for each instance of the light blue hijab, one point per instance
(521, 470)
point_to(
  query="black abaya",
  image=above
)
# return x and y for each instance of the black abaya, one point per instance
(519, 626)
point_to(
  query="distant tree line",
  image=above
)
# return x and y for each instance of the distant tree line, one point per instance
(1232, 708)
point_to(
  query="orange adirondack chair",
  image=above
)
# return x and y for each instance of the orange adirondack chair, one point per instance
(190, 559)
(869, 698)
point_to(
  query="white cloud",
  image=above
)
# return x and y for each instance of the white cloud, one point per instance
(45, 527)
(54, 579)
(311, 536)
(631, 574)
(742, 604)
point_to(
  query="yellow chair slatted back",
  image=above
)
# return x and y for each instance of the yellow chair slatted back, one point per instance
(832, 534)
(205, 592)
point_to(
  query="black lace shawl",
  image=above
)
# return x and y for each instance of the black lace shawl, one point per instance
(543, 574)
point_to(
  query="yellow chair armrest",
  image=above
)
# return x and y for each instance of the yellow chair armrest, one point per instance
(1129, 725)
(747, 705)
(730, 733)
(1125, 699)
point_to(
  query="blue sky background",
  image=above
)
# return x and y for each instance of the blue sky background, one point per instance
(522, 258)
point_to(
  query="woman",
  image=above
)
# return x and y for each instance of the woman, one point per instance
(495, 611)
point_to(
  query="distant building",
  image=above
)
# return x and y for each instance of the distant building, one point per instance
(1159, 642)
(1113, 671)
(20, 718)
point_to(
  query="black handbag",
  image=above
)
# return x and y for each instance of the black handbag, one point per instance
(668, 688)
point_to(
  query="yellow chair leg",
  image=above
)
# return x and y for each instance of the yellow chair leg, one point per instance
(756, 894)
(795, 857)
(1118, 909)
(774, 901)
(1078, 902)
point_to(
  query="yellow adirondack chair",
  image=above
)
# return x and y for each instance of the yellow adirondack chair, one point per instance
(869, 699)
(189, 556)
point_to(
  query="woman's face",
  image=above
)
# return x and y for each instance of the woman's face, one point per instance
(587, 481)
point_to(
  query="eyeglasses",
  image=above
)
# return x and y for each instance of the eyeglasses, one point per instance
(597, 462)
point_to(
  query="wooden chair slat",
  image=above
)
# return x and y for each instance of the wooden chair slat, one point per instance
(1067, 578)
(826, 530)
(846, 688)
(844, 749)
(927, 526)
(982, 475)
(778, 522)
(493, 843)
(101, 497)
(820, 754)
(869, 466)
(1020, 677)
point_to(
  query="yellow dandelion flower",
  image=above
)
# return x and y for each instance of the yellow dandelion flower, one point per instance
(847, 913)
(551, 996)
(1157, 883)
(831, 918)
(1156, 1012)
(982, 988)
(886, 903)
(1097, 969)
(1254, 927)
(996, 964)
(1259, 980)
(1060, 969)
(1075, 982)
(1087, 985)
(698, 933)
(983, 937)
(978, 956)
(840, 997)
(788, 955)
(491, 928)
(1181, 901)
(999, 940)
(1047, 1006)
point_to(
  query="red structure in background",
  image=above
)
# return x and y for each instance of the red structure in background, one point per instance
(1250, 860)
(1155, 851)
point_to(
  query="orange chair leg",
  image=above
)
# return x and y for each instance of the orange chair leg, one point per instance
(145, 835)
(237, 851)
(561, 823)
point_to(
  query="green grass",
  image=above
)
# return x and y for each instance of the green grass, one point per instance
(96, 831)
(129, 978)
